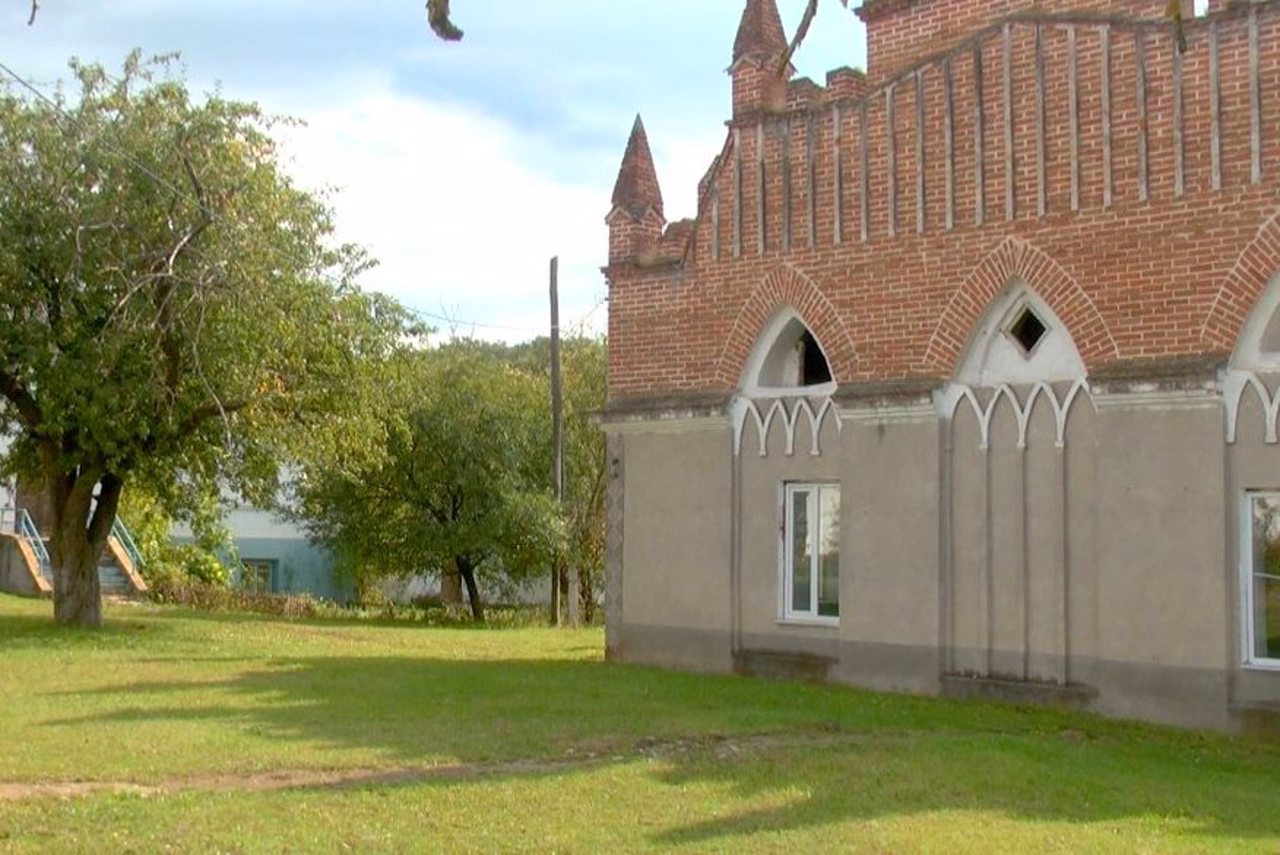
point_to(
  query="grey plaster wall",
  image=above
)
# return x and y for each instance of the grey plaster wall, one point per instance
(1161, 535)
(1098, 556)
(675, 556)
(1251, 464)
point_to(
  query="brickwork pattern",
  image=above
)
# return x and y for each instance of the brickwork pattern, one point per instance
(1127, 184)
(784, 288)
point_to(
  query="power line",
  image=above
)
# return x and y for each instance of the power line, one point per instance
(71, 120)
(578, 325)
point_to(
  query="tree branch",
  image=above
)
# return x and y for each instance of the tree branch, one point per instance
(17, 394)
(104, 515)
(803, 30)
(35, 7)
(438, 18)
(204, 412)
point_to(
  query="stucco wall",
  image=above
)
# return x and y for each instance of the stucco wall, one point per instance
(1103, 565)
(676, 554)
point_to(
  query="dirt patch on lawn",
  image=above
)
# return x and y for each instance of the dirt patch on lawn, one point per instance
(722, 748)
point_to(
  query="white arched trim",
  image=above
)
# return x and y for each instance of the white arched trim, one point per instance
(1258, 348)
(1256, 356)
(787, 413)
(1234, 386)
(949, 399)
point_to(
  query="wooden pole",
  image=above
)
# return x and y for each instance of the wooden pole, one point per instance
(557, 429)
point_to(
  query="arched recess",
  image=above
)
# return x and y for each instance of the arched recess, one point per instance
(1017, 260)
(1257, 348)
(1240, 291)
(1019, 339)
(785, 290)
(1255, 365)
(1019, 456)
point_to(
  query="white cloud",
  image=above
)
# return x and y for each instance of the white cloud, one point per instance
(444, 198)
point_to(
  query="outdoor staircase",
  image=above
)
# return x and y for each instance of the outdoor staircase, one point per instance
(118, 571)
(16, 526)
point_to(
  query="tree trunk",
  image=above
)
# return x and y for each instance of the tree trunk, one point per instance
(575, 597)
(80, 532)
(77, 591)
(451, 586)
(468, 574)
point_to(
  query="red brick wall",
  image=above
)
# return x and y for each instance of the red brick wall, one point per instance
(1167, 273)
(900, 32)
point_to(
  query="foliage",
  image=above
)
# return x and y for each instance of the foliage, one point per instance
(152, 529)
(584, 363)
(176, 315)
(585, 373)
(459, 480)
(181, 587)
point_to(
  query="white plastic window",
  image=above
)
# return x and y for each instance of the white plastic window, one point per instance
(811, 553)
(1262, 580)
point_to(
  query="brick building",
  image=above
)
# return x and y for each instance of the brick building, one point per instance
(965, 378)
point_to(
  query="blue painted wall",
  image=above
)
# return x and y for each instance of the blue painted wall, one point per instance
(298, 565)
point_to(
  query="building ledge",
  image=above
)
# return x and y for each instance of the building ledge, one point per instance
(694, 405)
(1040, 693)
(773, 665)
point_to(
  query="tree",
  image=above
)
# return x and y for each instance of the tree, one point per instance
(172, 312)
(584, 368)
(459, 483)
(585, 374)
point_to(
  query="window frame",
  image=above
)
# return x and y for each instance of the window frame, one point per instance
(1247, 574)
(272, 567)
(786, 554)
(1022, 308)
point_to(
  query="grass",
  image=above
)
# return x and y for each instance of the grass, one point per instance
(245, 734)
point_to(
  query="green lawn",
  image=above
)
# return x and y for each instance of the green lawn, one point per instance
(172, 731)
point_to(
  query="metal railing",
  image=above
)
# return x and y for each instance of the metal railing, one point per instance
(121, 533)
(17, 521)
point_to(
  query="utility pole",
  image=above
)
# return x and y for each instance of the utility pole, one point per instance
(557, 429)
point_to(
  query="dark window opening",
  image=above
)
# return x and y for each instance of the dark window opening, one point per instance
(814, 369)
(1028, 331)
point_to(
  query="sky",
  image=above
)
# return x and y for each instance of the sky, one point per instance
(461, 167)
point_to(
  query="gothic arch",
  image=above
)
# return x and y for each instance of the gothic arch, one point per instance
(1254, 270)
(1017, 259)
(786, 287)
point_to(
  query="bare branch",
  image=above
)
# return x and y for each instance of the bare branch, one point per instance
(438, 18)
(35, 7)
(803, 30)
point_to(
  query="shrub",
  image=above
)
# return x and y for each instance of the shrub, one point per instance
(178, 589)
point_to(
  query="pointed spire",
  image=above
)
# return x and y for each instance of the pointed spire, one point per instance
(760, 35)
(637, 188)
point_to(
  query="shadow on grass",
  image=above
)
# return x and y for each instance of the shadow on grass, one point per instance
(39, 632)
(842, 754)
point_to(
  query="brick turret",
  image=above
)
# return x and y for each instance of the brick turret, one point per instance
(757, 51)
(636, 220)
